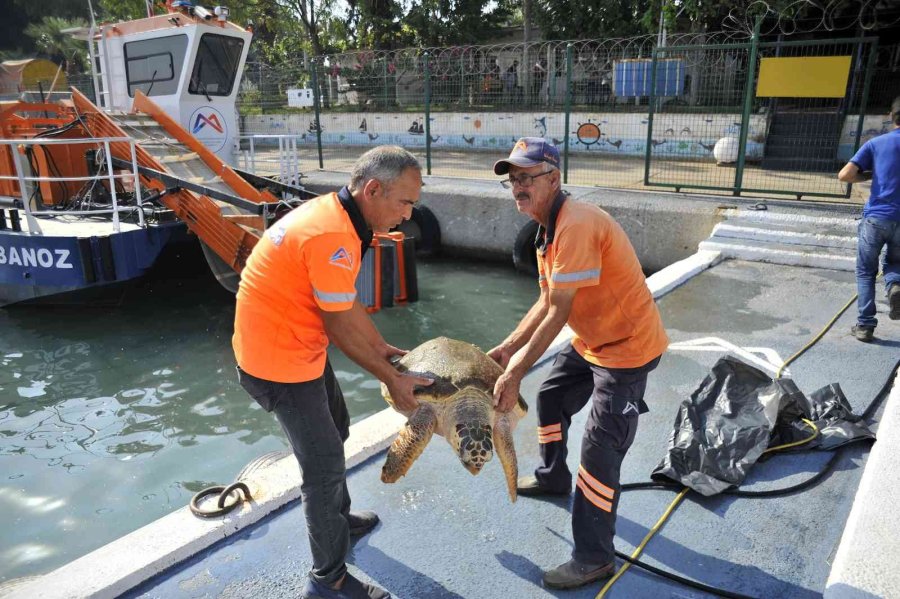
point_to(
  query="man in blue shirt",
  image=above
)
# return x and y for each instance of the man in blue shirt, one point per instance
(878, 160)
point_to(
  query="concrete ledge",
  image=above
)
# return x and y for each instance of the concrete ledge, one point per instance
(130, 560)
(479, 218)
(866, 564)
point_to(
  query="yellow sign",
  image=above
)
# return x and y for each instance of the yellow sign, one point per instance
(803, 77)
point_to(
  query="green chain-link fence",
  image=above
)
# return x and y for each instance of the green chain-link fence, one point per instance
(459, 109)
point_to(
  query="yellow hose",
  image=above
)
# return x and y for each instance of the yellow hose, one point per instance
(640, 548)
(815, 433)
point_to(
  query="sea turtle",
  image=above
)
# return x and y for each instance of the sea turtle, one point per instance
(459, 407)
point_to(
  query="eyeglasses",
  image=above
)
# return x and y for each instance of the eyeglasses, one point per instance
(523, 180)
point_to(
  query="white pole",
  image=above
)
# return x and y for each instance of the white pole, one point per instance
(112, 186)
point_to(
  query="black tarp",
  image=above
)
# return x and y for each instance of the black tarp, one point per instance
(736, 413)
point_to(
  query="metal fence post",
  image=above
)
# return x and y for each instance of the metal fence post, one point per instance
(316, 91)
(384, 75)
(427, 115)
(568, 113)
(863, 102)
(748, 105)
(650, 110)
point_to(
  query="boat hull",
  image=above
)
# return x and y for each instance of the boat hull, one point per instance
(78, 269)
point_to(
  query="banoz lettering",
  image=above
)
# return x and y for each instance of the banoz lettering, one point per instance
(35, 257)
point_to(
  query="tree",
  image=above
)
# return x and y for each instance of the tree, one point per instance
(50, 39)
(450, 22)
(591, 19)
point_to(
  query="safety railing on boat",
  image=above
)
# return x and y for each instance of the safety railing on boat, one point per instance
(24, 177)
(256, 156)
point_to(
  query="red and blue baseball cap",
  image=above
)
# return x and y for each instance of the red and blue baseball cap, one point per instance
(528, 152)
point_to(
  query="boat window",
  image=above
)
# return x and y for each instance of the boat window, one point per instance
(154, 65)
(217, 64)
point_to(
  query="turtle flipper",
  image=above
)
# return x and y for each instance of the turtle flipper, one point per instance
(409, 444)
(504, 447)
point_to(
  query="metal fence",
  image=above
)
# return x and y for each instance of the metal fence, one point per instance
(625, 113)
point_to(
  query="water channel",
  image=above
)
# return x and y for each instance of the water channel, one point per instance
(113, 417)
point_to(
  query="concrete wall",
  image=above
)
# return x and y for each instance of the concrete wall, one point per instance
(873, 126)
(479, 218)
(683, 135)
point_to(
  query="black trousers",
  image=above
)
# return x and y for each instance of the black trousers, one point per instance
(314, 417)
(617, 399)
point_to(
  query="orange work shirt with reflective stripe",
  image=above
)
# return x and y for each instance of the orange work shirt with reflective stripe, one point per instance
(614, 318)
(305, 262)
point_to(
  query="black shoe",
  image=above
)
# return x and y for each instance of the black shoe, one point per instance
(530, 487)
(351, 589)
(361, 522)
(863, 332)
(894, 301)
(574, 574)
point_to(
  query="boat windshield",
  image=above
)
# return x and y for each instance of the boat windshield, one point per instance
(215, 69)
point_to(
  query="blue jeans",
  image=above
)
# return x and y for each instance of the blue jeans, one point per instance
(874, 234)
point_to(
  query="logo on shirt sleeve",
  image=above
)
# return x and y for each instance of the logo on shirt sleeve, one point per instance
(341, 258)
(276, 233)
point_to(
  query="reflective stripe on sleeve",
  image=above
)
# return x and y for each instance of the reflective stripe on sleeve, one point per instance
(334, 298)
(571, 277)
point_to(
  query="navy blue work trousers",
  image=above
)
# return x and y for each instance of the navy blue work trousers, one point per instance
(314, 417)
(617, 399)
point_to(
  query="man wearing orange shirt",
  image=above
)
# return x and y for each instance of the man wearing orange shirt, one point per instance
(297, 293)
(591, 279)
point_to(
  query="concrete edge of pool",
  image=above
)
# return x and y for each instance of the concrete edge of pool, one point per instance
(128, 561)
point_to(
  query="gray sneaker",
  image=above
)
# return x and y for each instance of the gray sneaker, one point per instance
(894, 301)
(573, 574)
(862, 332)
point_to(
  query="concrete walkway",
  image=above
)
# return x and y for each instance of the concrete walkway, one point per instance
(447, 534)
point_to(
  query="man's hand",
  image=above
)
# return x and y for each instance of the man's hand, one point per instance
(506, 391)
(501, 355)
(402, 388)
(389, 351)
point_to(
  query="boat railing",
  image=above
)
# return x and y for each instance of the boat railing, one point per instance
(28, 179)
(255, 155)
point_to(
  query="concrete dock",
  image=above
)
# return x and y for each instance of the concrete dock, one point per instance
(447, 534)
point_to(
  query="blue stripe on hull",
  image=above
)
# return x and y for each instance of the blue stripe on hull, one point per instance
(36, 266)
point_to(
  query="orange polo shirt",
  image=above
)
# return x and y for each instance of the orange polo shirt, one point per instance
(614, 317)
(305, 262)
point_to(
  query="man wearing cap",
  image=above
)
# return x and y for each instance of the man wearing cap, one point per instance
(590, 279)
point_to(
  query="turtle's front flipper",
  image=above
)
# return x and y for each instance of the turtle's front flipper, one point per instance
(503, 445)
(409, 444)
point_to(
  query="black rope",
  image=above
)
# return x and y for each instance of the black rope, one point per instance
(684, 581)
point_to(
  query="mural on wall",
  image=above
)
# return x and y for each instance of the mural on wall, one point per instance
(625, 134)
(873, 126)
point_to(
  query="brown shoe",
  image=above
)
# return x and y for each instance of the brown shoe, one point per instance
(894, 301)
(529, 486)
(573, 574)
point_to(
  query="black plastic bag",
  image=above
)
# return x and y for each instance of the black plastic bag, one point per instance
(736, 413)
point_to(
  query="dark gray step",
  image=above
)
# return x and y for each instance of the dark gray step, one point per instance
(813, 153)
(806, 165)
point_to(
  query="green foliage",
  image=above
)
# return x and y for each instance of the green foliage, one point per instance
(431, 23)
(589, 19)
(50, 40)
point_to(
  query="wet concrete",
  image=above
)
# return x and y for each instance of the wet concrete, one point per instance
(446, 534)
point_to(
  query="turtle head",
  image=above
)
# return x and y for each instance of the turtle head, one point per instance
(476, 447)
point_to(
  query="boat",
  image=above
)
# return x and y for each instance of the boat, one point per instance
(91, 193)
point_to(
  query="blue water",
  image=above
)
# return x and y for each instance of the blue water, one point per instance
(111, 418)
